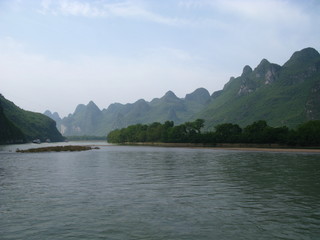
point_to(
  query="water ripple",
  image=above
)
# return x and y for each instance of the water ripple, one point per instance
(159, 193)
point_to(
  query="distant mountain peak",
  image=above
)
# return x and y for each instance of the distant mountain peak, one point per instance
(246, 70)
(55, 116)
(200, 95)
(268, 71)
(306, 52)
(92, 105)
(141, 105)
(170, 95)
(141, 101)
(264, 62)
(302, 57)
(47, 113)
(199, 91)
(80, 108)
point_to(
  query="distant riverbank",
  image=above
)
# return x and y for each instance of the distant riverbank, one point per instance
(235, 146)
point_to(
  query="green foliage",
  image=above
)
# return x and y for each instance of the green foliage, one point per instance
(259, 132)
(158, 132)
(32, 125)
(9, 133)
(309, 133)
(227, 132)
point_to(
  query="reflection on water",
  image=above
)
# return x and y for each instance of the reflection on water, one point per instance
(159, 193)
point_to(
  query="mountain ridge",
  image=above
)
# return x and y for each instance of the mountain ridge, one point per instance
(117, 115)
(282, 95)
(279, 95)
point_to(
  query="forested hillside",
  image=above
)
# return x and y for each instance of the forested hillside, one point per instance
(9, 133)
(32, 125)
(282, 95)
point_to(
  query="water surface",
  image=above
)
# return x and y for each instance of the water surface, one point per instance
(122, 192)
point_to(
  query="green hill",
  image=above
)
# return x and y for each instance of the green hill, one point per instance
(32, 125)
(282, 95)
(9, 133)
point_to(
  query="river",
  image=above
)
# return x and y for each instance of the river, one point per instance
(127, 192)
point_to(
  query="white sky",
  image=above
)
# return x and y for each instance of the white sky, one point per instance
(57, 54)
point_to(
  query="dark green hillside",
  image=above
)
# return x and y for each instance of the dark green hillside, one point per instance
(287, 95)
(9, 133)
(33, 125)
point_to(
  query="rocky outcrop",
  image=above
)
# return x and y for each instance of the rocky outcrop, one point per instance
(282, 95)
(265, 73)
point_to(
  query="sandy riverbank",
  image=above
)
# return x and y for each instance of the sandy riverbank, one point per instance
(300, 150)
(235, 147)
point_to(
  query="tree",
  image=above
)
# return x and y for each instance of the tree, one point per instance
(309, 133)
(227, 133)
(177, 134)
(198, 124)
(115, 136)
(256, 132)
(278, 134)
(154, 132)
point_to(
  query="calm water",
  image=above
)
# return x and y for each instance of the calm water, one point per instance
(123, 193)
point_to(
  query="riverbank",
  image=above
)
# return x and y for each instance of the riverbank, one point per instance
(232, 146)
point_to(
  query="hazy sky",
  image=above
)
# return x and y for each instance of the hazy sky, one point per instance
(60, 53)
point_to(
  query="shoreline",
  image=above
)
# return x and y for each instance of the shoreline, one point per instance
(234, 147)
(297, 150)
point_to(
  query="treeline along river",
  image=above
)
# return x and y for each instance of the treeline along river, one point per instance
(306, 134)
(127, 192)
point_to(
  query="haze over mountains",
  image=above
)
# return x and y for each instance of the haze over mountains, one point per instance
(90, 120)
(281, 95)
